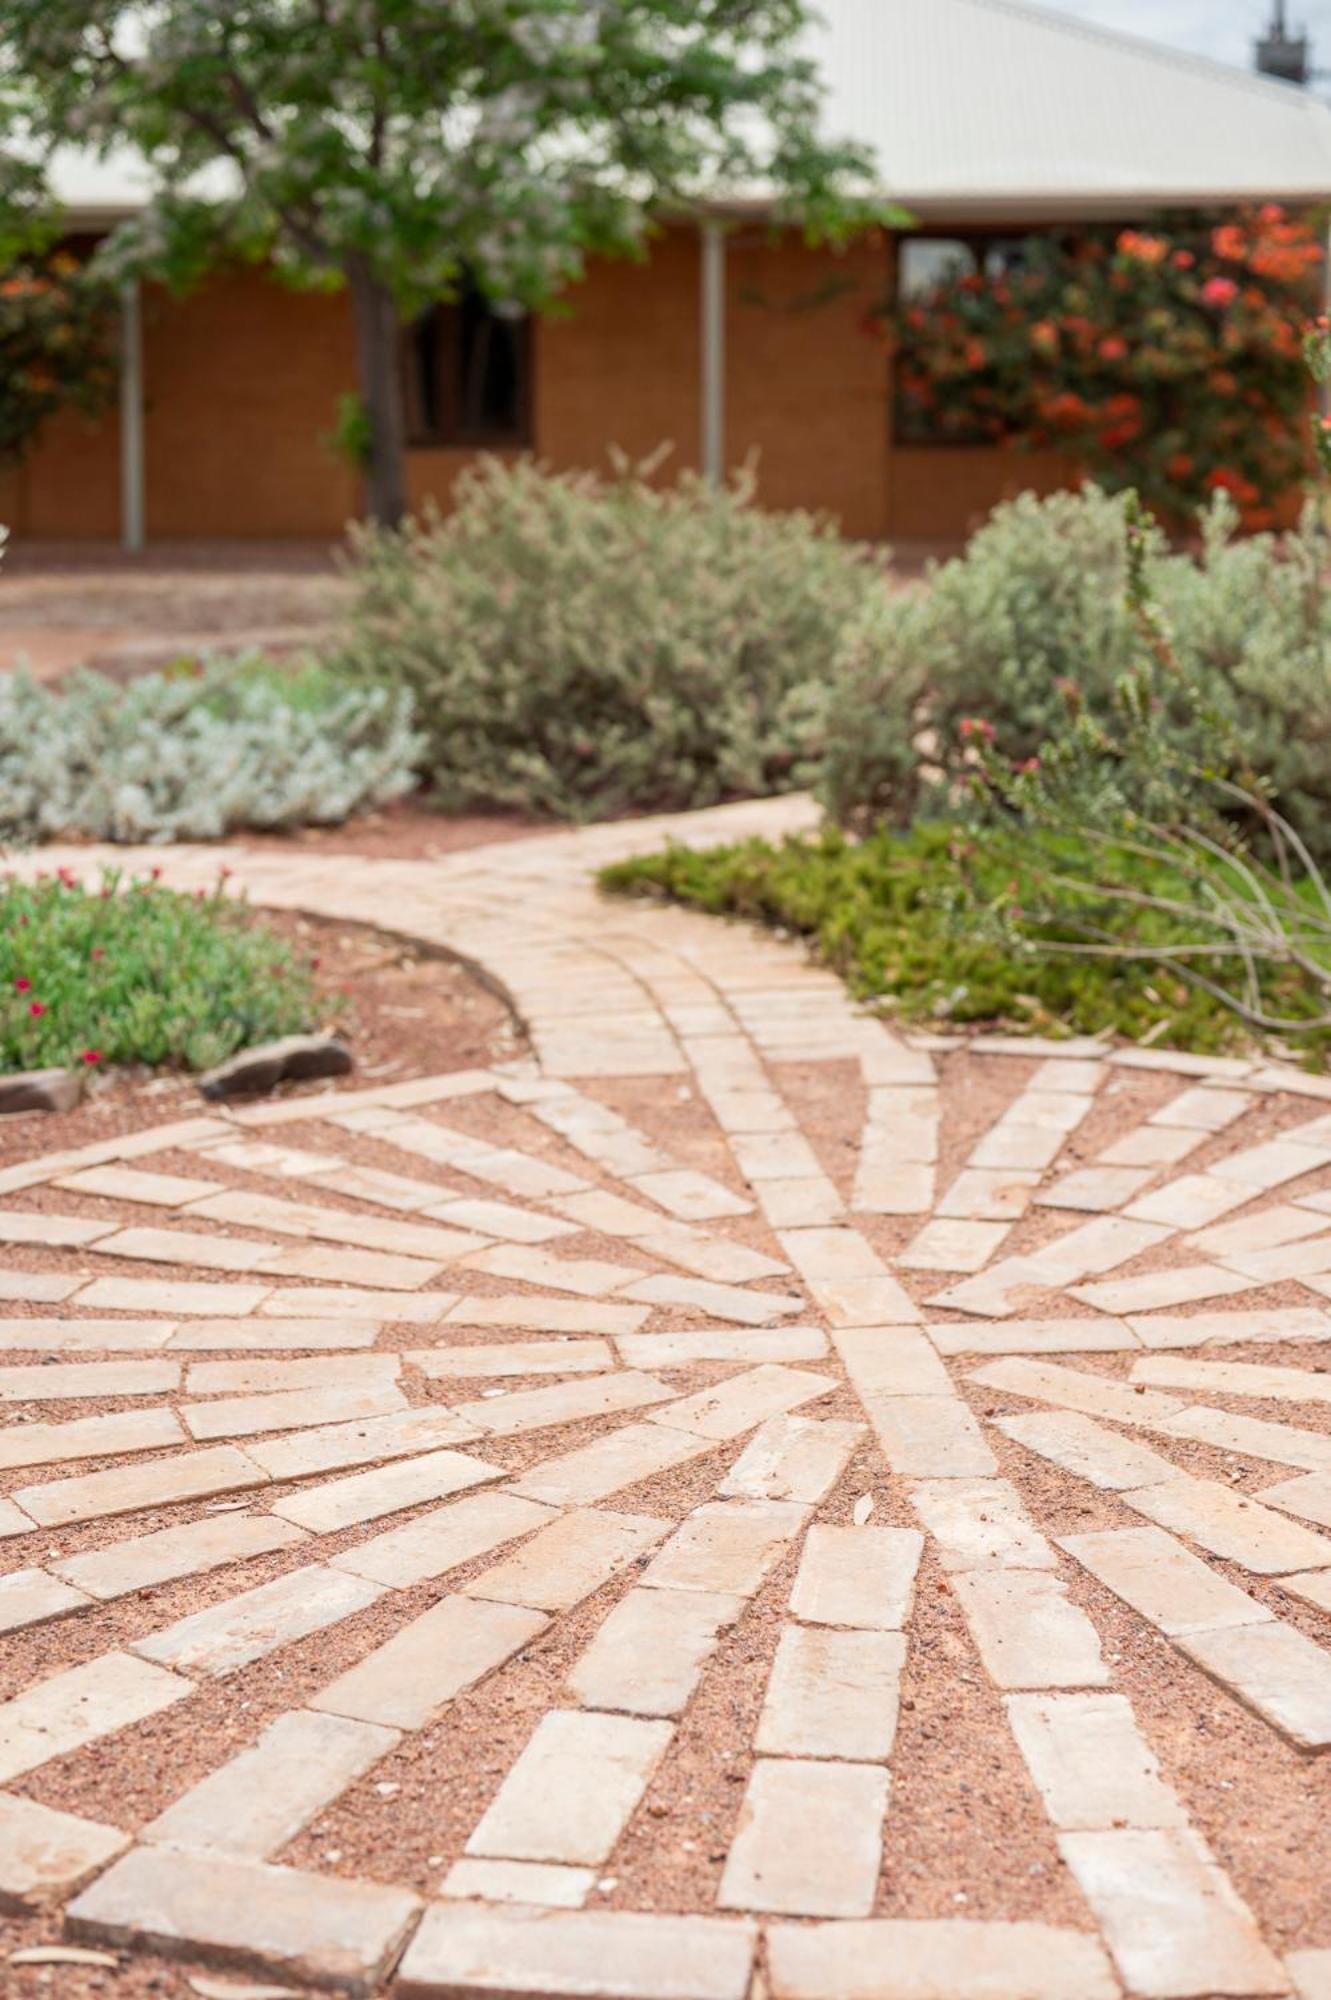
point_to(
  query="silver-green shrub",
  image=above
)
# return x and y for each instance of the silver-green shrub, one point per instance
(581, 647)
(1034, 615)
(191, 756)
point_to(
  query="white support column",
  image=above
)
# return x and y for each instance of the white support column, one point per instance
(713, 251)
(132, 524)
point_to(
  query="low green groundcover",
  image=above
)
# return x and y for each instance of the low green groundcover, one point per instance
(134, 973)
(902, 917)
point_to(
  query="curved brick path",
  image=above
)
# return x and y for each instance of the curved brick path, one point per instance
(688, 1356)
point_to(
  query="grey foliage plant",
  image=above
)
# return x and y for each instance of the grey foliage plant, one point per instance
(1036, 612)
(581, 647)
(193, 756)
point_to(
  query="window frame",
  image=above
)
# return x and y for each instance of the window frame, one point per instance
(978, 238)
(453, 432)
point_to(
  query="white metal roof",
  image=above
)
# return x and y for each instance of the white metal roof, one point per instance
(972, 106)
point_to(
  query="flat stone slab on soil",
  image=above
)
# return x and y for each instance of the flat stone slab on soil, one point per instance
(736, 1486)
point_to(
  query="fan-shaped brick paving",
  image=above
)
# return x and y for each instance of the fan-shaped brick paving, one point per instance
(741, 1500)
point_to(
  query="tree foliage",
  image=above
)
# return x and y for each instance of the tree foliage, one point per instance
(400, 146)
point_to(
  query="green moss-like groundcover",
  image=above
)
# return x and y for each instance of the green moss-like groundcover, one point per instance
(888, 914)
(134, 973)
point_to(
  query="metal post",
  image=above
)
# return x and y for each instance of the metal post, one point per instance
(713, 251)
(131, 419)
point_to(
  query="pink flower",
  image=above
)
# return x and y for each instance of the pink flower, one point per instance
(23, 986)
(91, 1056)
(1220, 291)
(97, 951)
(37, 1009)
(975, 725)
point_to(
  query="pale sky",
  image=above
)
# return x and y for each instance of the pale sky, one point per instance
(1221, 28)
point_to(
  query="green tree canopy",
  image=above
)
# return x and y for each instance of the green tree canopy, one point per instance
(397, 146)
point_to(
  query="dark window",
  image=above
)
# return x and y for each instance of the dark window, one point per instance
(468, 376)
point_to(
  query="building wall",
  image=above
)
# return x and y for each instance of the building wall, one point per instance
(243, 379)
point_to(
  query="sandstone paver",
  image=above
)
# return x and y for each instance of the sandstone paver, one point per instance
(569, 1559)
(576, 1955)
(141, 1561)
(573, 1788)
(385, 1489)
(726, 1546)
(936, 1958)
(832, 1694)
(243, 1628)
(454, 1644)
(81, 1705)
(647, 1656)
(46, 1855)
(809, 1839)
(860, 1577)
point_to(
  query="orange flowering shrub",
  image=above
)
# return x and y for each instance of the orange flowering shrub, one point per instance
(56, 346)
(1169, 358)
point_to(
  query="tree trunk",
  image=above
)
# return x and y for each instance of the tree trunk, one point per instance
(381, 393)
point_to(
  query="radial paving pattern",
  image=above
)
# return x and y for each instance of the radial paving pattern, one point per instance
(740, 1496)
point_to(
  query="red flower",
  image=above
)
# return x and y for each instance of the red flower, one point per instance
(37, 1010)
(91, 1056)
(1113, 348)
(97, 951)
(1220, 292)
(23, 986)
(975, 725)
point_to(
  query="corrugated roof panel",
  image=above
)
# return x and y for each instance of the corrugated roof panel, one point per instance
(981, 99)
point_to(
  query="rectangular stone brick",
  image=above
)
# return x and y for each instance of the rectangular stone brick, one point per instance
(980, 1524)
(1203, 1110)
(1277, 1671)
(273, 1336)
(740, 1403)
(1090, 1763)
(543, 1315)
(59, 1231)
(930, 1437)
(1277, 1323)
(1269, 1229)
(354, 1302)
(260, 1799)
(261, 1376)
(1075, 1389)
(1036, 1336)
(947, 1245)
(576, 1955)
(569, 1560)
(124, 1489)
(1233, 1378)
(809, 1840)
(725, 1545)
(442, 1539)
(132, 1184)
(89, 1437)
(1232, 1526)
(339, 1447)
(81, 1705)
(793, 1458)
(573, 1789)
(326, 1930)
(189, 1246)
(418, 1241)
(544, 1883)
(1309, 1496)
(885, 1361)
(450, 1647)
(832, 1694)
(564, 1403)
(1097, 1189)
(1170, 1915)
(859, 1577)
(622, 1458)
(1171, 1588)
(1027, 1631)
(43, 1288)
(1255, 1437)
(788, 1204)
(256, 1622)
(590, 1278)
(290, 1409)
(647, 1656)
(192, 1549)
(1150, 1146)
(722, 1343)
(46, 1855)
(385, 1489)
(59, 1381)
(1156, 1289)
(1190, 1201)
(514, 1357)
(80, 1336)
(936, 1958)
(32, 1596)
(989, 1194)
(329, 1263)
(1087, 1450)
(173, 1298)
(730, 1302)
